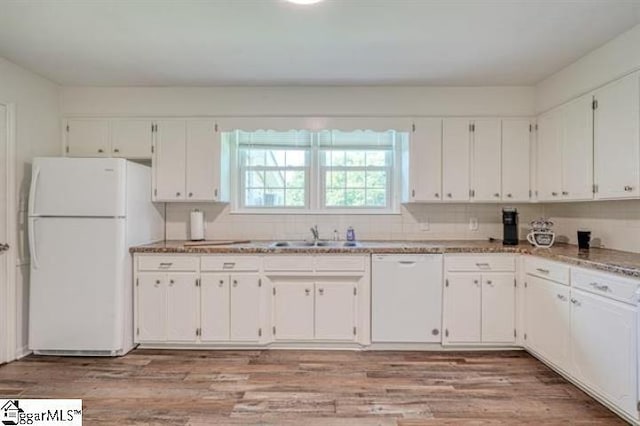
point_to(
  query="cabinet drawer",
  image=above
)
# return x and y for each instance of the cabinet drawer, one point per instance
(340, 263)
(480, 263)
(288, 263)
(605, 285)
(230, 263)
(168, 263)
(546, 269)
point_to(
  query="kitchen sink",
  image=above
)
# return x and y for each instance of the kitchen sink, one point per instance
(280, 244)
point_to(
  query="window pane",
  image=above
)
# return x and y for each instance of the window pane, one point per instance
(355, 158)
(294, 197)
(296, 158)
(336, 179)
(254, 197)
(274, 179)
(276, 158)
(295, 179)
(355, 197)
(273, 197)
(377, 158)
(254, 179)
(356, 179)
(255, 157)
(376, 198)
(335, 197)
(376, 179)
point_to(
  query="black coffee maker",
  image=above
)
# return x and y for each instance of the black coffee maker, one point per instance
(510, 224)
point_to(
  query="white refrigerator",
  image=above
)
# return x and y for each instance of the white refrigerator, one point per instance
(84, 214)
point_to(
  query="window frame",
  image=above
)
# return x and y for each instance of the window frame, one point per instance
(315, 181)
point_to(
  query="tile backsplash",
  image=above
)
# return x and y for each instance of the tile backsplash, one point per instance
(613, 224)
(416, 222)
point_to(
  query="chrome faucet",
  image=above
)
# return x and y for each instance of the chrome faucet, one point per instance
(315, 233)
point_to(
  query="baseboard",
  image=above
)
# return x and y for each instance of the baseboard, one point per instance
(22, 352)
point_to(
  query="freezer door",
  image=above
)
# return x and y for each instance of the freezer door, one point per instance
(77, 284)
(78, 187)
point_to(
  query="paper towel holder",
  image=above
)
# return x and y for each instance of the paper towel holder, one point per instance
(197, 225)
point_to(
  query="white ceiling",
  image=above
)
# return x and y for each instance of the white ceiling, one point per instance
(254, 42)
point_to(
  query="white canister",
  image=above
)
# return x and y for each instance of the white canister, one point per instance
(197, 225)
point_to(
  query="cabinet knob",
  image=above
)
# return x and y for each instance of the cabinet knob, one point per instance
(565, 192)
(157, 283)
(171, 282)
(321, 291)
(497, 195)
(489, 282)
(191, 194)
(221, 283)
(100, 151)
(509, 195)
(413, 193)
(555, 194)
(116, 150)
(235, 283)
(437, 195)
(215, 193)
(628, 188)
(449, 195)
(307, 291)
(177, 194)
(475, 282)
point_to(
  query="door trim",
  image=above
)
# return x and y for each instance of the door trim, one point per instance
(8, 321)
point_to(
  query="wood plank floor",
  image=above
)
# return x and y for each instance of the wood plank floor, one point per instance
(308, 388)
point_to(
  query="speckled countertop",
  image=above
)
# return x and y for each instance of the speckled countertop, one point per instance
(614, 261)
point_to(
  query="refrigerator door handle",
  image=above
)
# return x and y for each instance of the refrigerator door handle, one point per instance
(33, 191)
(32, 243)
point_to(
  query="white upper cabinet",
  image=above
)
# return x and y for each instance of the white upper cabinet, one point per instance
(549, 158)
(203, 161)
(577, 149)
(516, 159)
(87, 138)
(455, 159)
(187, 161)
(132, 139)
(425, 157)
(169, 161)
(485, 162)
(617, 139)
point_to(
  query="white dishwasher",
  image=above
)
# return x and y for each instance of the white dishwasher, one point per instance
(406, 303)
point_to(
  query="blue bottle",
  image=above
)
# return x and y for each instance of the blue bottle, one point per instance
(351, 234)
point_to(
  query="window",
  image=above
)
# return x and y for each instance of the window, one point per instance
(304, 171)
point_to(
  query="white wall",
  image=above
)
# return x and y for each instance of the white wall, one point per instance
(329, 101)
(37, 133)
(612, 60)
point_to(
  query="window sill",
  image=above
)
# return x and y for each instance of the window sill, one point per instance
(326, 212)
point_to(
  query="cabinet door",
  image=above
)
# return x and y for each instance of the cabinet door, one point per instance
(498, 308)
(335, 311)
(203, 161)
(547, 320)
(182, 307)
(577, 150)
(516, 159)
(462, 296)
(151, 308)
(549, 162)
(169, 161)
(455, 159)
(132, 139)
(485, 164)
(603, 347)
(214, 307)
(425, 161)
(245, 307)
(87, 138)
(616, 139)
(293, 311)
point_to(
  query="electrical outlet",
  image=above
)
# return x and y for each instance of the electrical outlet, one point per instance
(473, 224)
(424, 226)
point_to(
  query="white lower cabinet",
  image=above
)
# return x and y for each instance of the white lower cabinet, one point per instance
(603, 349)
(462, 308)
(182, 313)
(307, 310)
(167, 307)
(479, 300)
(335, 311)
(245, 307)
(293, 315)
(214, 307)
(547, 318)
